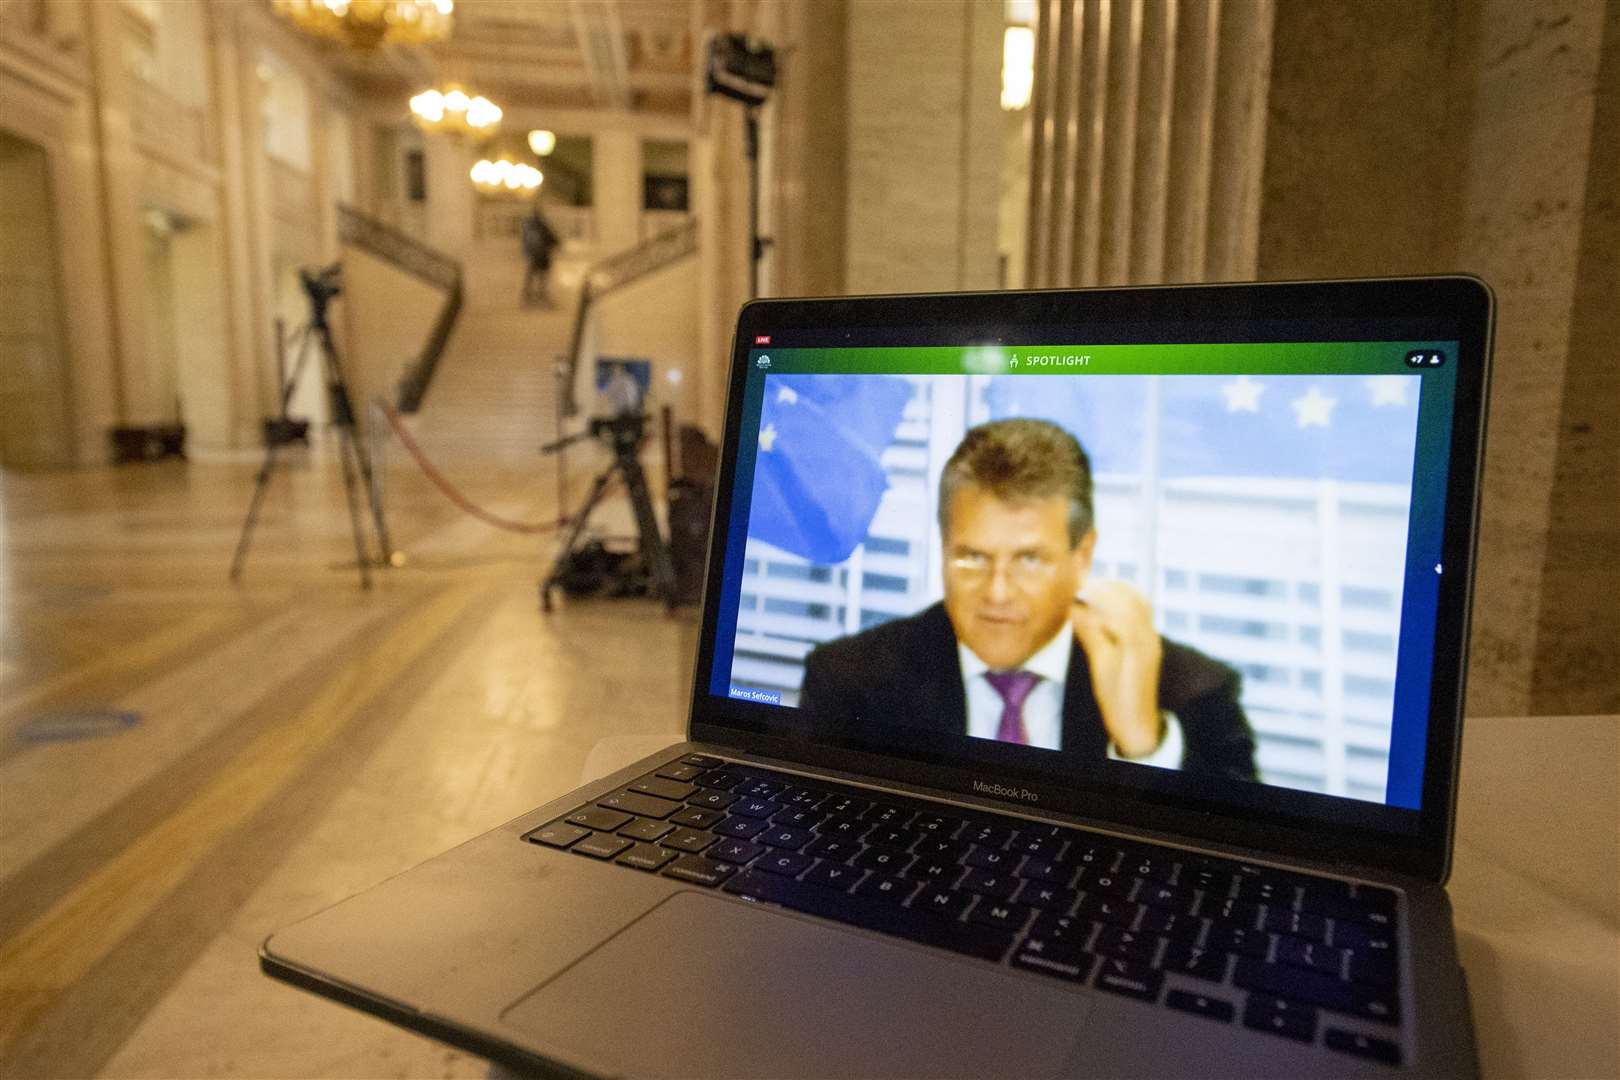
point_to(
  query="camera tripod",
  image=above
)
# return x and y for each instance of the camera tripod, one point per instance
(321, 286)
(656, 572)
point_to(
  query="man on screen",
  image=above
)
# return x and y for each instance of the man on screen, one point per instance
(1023, 649)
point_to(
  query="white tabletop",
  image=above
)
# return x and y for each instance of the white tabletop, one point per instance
(1533, 888)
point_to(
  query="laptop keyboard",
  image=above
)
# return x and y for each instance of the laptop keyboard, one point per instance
(1282, 952)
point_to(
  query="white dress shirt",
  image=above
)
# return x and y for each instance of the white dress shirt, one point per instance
(1043, 708)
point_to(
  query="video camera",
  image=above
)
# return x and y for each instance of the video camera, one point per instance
(322, 283)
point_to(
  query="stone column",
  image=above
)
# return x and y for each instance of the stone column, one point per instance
(924, 145)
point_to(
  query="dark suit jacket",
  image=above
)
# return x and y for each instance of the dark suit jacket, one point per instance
(907, 673)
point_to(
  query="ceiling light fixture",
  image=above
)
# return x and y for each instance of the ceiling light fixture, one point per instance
(367, 24)
(453, 111)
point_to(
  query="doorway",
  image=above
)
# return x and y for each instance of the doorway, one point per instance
(35, 427)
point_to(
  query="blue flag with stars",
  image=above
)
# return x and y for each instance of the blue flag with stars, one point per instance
(818, 476)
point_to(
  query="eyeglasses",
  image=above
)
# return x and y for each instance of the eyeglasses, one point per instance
(1026, 568)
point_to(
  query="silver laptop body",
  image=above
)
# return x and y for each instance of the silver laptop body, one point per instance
(1285, 479)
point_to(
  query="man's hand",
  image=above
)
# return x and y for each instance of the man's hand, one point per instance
(1114, 625)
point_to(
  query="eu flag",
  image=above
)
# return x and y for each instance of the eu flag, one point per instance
(818, 476)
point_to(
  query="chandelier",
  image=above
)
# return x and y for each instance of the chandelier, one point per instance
(506, 177)
(452, 111)
(366, 24)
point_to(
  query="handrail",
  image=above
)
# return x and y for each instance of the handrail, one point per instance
(416, 258)
(613, 273)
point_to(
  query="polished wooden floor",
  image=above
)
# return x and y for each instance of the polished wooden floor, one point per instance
(296, 740)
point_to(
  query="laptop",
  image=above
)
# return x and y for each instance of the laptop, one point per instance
(1078, 693)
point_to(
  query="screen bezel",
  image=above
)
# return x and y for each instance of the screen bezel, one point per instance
(1456, 308)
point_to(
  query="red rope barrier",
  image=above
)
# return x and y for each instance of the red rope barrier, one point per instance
(449, 491)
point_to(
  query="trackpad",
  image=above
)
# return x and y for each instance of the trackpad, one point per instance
(704, 986)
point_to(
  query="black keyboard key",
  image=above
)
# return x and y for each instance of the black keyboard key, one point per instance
(683, 773)
(987, 858)
(887, 814)
(1040, 847)
(807, 798)
(646, 829)
(885, 836)
(702, 761)
(1108, 883)
(1047, 897)
(1270, 891)
(1062, 959)
(712, 800)
(699, 871)
(1319, 894)
(760, 789)
(1093, 855)
(1001, 886)
(838, 850)
(1357, 909)
(1362, 939)
(1351, 1042)
(1242, 940)
(1049, 872)
(1126, 944)
(845, 806)
(1129, 978)
(647, 857)
(1215, 882)
(600, 846)
(559, 834)
(833, 876)
(1279, 1016)
(937, 870)
(843, 828)
(1110, 909)
(1374, 969)
(1184, 958)
(1153, 866)
(594, 817)
(1303, 924)
(884, 860)
(968, 938)
(787, 863)
(1169, 897)
(1231, 912)
(1311, 955)
(755, 808)
(998, 913)
(798, 818)
(896, 890)
(694, 818)
(946, 903)
(1213, 1007)
(693, 840)
(986, 835)
(1069, 929)
(741, 828)
(720, 779)
(664, 789)
(782, 836)
(1376, 899)
(1328, 991)
(1172, 925)
(736, 851)
(633, 802)
(936, 825)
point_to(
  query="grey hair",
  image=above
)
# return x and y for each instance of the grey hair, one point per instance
(1021, 459)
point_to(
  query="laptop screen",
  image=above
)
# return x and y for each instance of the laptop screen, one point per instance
(1201, 566)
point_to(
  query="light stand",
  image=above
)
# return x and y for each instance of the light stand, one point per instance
(322, 286)
(744, 70)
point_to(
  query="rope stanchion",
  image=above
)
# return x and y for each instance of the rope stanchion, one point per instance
(449, 491)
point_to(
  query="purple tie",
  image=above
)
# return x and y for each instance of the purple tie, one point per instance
(1014, 687)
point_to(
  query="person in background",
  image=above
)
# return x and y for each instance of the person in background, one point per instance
(539, 241)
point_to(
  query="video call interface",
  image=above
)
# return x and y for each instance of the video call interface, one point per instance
(1218, 559)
